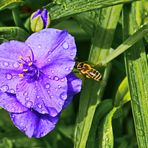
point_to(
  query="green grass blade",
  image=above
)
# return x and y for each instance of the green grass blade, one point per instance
(9, 3)
(68, 8)
(103, 108)
(93, 91)
(127, 43)
(137, 72)
(106, 137)
(121, 92)
(13, 33)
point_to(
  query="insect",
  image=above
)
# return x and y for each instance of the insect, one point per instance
(88, 71)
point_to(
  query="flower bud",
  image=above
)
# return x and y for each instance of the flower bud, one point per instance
(40, 20)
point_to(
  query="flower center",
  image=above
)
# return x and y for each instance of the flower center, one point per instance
(30, 71)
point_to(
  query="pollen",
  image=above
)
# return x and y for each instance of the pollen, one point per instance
(25, 70)
(20, 57)
(20, 75)
(20, 64)
(30, 63)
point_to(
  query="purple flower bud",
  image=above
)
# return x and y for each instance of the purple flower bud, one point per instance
(40, 20)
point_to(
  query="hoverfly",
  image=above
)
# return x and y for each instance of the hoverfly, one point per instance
(88, 71)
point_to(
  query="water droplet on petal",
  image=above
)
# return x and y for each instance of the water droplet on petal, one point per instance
(25, 93)
(56, 78)
(67, 68)
(39, 46)
(72, 54)
(37, 96)
(43, 111)
(39, 106)
(4, 88)
(52, 71)
(53, 112)
(27, 99)
(12, 91)
(47, 85)
(8, 76)
(6, 64)
(51, 96)
(60, 102)
(62, 80)
(29, 103)
(49, 59)
(65, 45)
(16, 65)
(59, 86)
(63, 96)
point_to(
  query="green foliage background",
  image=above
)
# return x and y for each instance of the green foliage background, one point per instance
(113, 36)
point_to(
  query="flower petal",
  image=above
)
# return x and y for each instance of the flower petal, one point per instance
(74, 87)
(44, 96)
(33, 123)
(26, 121)
(10, 53)
(53, 48)
(8, 80)
(10, 103)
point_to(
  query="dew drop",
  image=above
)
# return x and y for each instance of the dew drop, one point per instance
(52, 71)
(63, 96)
(65, 45)
(67, 68)
(47, 85)
(39, 106)
(4, 88)
(6, 64)
(15, 65)
(62, 80)
(52, 111)
(51, 96)
(39, 46)
(56, 78)
(59, 86)
(29, 103)
(12, 91)
(72, 54)
(25, 93)
(60, 102)
(49, 59)
(37, 96)
(43, 111)
(27, 99)
(8, 76)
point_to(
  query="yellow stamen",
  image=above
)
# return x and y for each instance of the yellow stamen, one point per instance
(30, 63)
(20, 64)
(25, 70)
(28, 56)
(20, 57)
(20, 75)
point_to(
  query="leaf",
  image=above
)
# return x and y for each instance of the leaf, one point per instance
(103, 108)
(92, 92)
(68, 8)
(106, 139)
(137, 72)
(13, 33)
(122, 93)
(9, 3)
(130, 41)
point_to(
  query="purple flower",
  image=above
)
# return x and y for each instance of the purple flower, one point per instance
(36, 81)
(40, 20)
